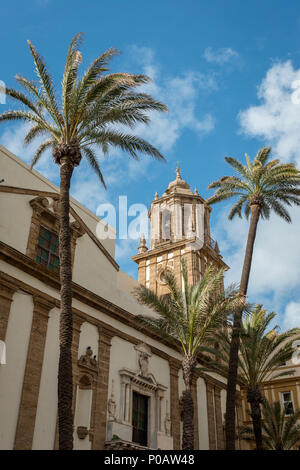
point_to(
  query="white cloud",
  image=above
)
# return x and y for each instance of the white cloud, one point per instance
(292, 315)
(276, 120)
(275, 269)
(87, 188)
(125, 249)
(220, 56)
(180, 93)
(13, 140)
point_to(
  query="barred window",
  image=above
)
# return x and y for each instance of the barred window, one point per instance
(47, 249)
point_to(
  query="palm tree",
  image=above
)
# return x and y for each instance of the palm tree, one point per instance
(189, 318)
(262, 351)
(280, 432)
(84, 120)
(261, 186)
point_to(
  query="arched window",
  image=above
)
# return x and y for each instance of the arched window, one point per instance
(165, 226)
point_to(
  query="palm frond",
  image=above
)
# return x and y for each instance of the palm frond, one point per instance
(93, 161)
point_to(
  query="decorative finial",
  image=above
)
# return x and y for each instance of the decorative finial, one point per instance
(196, 192)
(142, 248)
(156, 196)
(178, 169)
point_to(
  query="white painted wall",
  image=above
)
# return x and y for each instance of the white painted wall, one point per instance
(202, 415)
(45, 423)
(12, 374)
(89, 336)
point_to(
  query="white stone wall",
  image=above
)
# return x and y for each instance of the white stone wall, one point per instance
(12, 374)
(46, 417)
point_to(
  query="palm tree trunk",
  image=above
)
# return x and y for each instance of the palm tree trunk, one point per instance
(256, 421)
(188, 366)
(65, 379)
(235, 340)
(255, 399)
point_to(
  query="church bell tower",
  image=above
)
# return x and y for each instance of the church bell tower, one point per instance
(179, 227)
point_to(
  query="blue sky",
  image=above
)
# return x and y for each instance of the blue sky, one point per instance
(225, 69)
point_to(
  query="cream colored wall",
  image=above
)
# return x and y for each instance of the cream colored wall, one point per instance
(12, 374)
(89, 336)
(202, 415)
(46, 416)
(14, 229)
(223, 402)
(92, 269)
(122, 354)
(180, 391)
(161, 371)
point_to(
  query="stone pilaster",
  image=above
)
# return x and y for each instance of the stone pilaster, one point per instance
(219, 420)
(142, 272)
(211, 415)
(100, 414)
(196, 425)
(174, 405)
(7, 290)
(32, 375)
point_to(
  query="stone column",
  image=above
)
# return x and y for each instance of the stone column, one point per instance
(211, 415)
(196, 424)
(100, 423)
(32, 375)
(219, 421)
(142, 272)
(7, 290)
(174, 405)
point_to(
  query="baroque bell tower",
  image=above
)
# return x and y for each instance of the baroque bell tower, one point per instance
(179, 227)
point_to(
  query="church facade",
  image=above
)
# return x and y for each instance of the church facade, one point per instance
(127, 382)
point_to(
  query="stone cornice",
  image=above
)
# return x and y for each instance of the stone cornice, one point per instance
(211, 380)
(171, 246)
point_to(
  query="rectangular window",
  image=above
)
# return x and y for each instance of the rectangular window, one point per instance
(140, 419)
(47, 249)
(287, 402)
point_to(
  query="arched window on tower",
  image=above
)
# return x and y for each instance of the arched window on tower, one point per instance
(165, 224)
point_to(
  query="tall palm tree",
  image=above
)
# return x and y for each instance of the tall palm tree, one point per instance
(261, 186)
(280, 432)
(85, 118)
(189, 318)
(262, 351)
